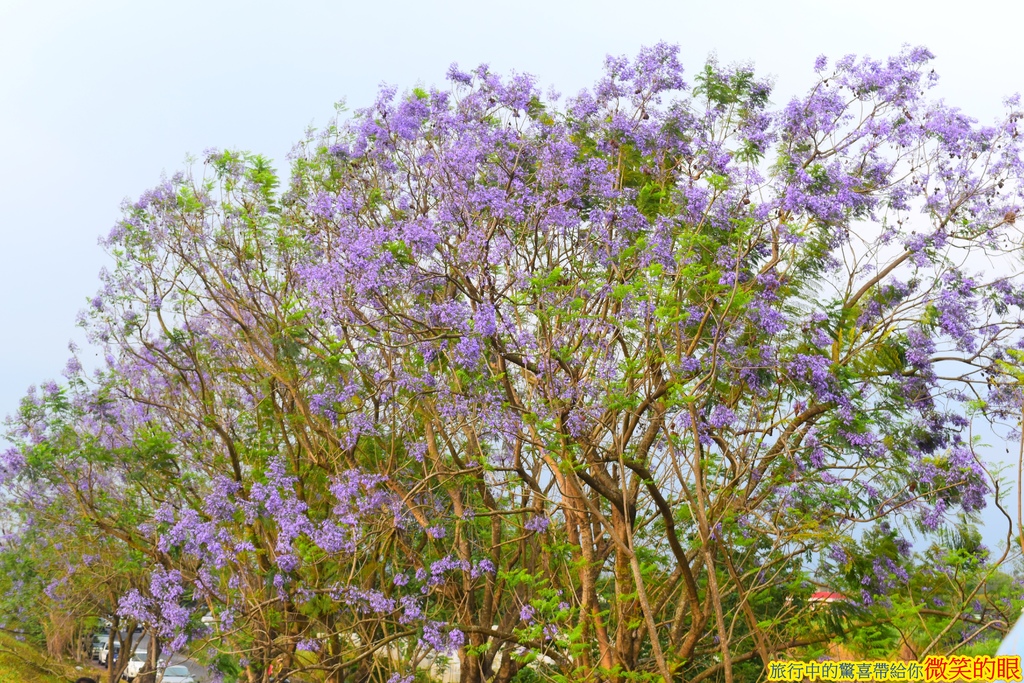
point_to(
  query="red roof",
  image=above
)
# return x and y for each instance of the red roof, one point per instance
(826, 596)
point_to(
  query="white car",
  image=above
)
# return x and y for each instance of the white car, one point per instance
(98, 640)
(136, 665)
(105, 652)
(176, 674)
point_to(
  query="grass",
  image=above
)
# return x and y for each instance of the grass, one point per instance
(22, 663)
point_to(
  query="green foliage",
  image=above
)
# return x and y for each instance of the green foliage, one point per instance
(21, 663)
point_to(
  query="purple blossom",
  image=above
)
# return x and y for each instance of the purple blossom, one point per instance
(439, 637)
(721, 417)
(308, 645)
(538, 524)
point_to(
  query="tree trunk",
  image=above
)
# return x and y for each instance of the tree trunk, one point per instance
(152, 658)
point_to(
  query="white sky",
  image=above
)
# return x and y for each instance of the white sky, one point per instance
(98, 98)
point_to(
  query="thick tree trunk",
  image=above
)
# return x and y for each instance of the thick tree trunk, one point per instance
(152, 658)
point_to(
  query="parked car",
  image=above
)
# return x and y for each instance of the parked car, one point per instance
(98, 641)
(136, 665)
(105, 653)
(176, 674)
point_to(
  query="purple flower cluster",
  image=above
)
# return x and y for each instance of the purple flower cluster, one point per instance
(441, 638)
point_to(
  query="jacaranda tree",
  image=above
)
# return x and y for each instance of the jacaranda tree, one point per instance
(601, 390)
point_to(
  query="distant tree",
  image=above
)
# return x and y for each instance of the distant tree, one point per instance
(74, 556)
(605, 390)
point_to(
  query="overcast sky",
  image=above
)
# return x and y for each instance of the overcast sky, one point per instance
(98, 98)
